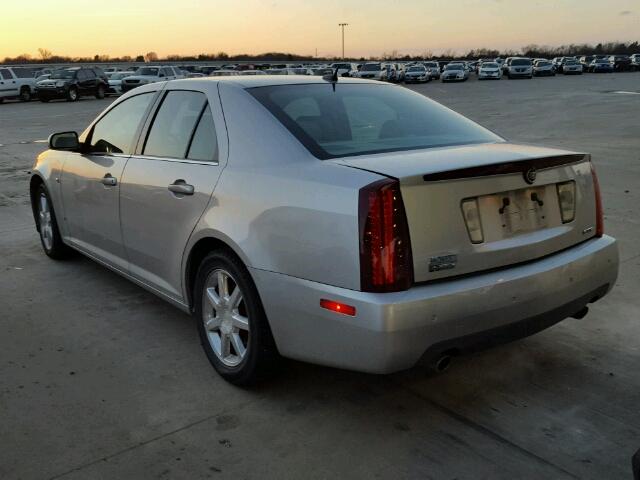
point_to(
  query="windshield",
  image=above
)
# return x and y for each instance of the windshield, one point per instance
(416, 69)
(58, 74)
(543, 64)
(454, 66)
(489, 65)
(147, 71)
(570, 62)
(521, 61)
(431, 65)
(352, 119)
(371, 67)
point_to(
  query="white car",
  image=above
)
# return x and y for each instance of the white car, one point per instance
(519, 67)
(115, 82)
(372, 71)
(454, 72)
(17, 83)
(489, 70)
(433, 69)
(571, 66)
(363, 227)
(145, 75)
(416, 74)
(345, 69)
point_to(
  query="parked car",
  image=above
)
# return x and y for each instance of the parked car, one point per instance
(635, 62)
(433, 69)
(519, 68)
(146, 75)
(372, 70)
(73, 83)
(621, 63)
(417, 74)
(570, 66)
(391, 74)
(16, 82)
(489, 70)
(586, 61)
(600, 65)
(115, 82)
(345, 69)
(505, 65)
(454, 72)
(362, 227)
(543, 68)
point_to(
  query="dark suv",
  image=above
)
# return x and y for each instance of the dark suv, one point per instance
(73, 83)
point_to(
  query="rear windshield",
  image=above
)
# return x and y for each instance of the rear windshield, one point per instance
(363, 119)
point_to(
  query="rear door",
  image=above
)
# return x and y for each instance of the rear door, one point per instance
(168, 184)
(90, 181)
(8, 84)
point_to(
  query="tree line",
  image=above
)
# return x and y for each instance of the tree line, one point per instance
(533, 51)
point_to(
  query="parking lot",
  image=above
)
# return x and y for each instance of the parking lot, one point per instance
(101, 379)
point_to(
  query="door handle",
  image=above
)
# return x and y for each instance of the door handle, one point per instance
(109, 181)
(181, 187)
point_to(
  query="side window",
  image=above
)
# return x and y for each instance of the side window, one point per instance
(6, 74)
(176, 72)
(80, 75)
(167, 71)
(204, 145)
(116, 131)
(89, 75)
(174, 124)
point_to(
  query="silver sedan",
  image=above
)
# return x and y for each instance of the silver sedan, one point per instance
(348, 223)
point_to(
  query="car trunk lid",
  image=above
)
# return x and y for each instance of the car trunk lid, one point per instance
(512, 190)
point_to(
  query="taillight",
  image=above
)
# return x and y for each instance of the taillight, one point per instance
(385, 248)
(599, 210)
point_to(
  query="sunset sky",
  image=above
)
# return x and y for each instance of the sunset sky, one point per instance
(132, 27)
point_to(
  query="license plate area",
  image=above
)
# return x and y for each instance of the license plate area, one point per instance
(506, 214)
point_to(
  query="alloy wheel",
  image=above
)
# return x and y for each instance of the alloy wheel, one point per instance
(225, 318)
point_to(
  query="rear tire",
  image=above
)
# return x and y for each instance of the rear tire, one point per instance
(72, 95)
(47, 223)
(25, 94)
(100, 93)
(233, 327)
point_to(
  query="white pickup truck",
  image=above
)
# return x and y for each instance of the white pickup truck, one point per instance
(17, 82)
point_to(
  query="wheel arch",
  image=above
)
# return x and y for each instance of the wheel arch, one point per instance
(196, 253)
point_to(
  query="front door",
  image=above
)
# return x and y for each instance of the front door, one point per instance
(90, 181)
(168, 185)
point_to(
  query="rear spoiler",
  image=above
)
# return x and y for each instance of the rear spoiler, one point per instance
(528, 168)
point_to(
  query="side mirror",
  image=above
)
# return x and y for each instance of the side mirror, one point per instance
(64, 141)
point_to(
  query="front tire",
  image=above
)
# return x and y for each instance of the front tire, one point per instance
(233, 327)
(47, 223)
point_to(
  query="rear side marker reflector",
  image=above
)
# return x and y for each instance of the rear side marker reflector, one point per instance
(338, 307)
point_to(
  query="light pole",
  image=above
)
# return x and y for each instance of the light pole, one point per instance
(342, 25)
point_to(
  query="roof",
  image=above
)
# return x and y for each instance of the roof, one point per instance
(250, 81)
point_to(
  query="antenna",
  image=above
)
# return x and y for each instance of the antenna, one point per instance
(332, 77)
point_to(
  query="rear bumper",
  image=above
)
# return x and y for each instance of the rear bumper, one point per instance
(393, 331)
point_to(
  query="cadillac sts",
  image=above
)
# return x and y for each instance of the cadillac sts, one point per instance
(344, 222)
